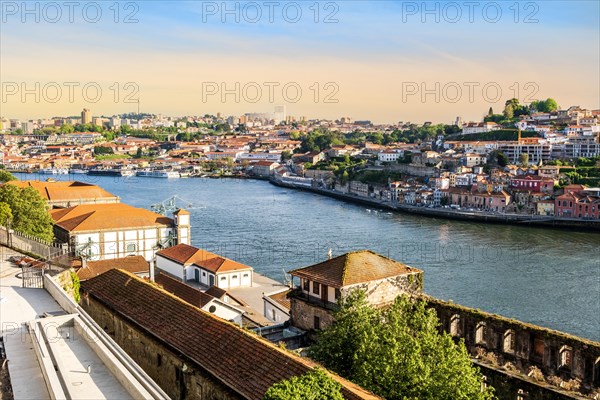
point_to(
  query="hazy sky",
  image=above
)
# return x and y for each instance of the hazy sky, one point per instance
(386, 61)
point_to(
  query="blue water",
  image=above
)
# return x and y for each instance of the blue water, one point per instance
(542, 276)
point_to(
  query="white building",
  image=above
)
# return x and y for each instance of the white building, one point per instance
(107, 231)
(389, 156)
(277, 306)
(188, 263)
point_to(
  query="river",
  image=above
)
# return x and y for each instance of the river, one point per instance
(546, 277)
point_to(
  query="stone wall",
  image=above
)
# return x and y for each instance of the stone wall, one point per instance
(179, 377)
(523, 345)
(303, 313)
(385, 291)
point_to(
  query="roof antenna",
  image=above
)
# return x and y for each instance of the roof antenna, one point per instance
(329, 253)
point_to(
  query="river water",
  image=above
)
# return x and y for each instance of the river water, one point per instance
(542, 276)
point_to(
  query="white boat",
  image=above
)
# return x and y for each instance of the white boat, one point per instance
(157, 174)
(77, 171)
(53, 171)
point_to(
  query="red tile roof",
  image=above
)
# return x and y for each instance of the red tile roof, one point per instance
(187, 255)
(67, 190)
(353, 268)
(95, 217)
(185, 292)
(240, 360)
(134, 264)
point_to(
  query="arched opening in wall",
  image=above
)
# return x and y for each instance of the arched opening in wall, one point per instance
(480, 333)
(508, 343)
(597, 372)
(455, 325)
(522, 395)
(566, 357)
(484, 383)
(538, 349)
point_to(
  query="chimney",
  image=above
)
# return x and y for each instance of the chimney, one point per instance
(329, 254)
(83, 262)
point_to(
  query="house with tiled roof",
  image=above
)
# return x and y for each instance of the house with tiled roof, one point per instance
(188, 263)
(107, 231)
(189, 352)
(68, 193)
(321, 285)
(200, 299)
(277, 306)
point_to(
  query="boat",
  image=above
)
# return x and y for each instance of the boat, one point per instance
(53, 171)
(111, 172)
(148, 173)
(77, 171)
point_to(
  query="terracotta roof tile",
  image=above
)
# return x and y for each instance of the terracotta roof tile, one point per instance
(134, 264)
(243, 361)
(187, 255)
(95, 217)
(282, 299)
(353, 268)
(67, 190)
(185, 292)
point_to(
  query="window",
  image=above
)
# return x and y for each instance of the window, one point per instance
(203, 273)
(522, 395)
(317, 322)
(306, 285)
(212, 309)
(246, 275)
(234, 277)
(455, 325)
(223, 278)
(338, 294)
(538, 347)
(480, 333)
(273, 314)
(566, 356)
(130, 248)
(159, 360)
(508, 345)
(316, 288)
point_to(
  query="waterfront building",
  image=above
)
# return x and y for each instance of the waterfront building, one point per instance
(188, 263)
(107, 231)
(60, 194)
(322, 284)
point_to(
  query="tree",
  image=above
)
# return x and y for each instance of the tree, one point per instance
(29, 211)
(314, 385)
(286, 155)
(398, 352)
(524, 159)
(490, 112)
(502, 159)
(66, 128)
(6, 176)
(6, 216)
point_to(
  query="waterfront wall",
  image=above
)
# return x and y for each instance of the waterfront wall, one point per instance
(499, 340)
(508, 219)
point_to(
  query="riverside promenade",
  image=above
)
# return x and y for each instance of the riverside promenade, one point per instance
(448, 213)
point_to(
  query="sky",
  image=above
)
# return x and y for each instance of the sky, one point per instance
(386, 61)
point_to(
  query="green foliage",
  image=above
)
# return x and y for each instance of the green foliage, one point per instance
(524, 159)
(286, 155)
(76, 285)
(548, 105)
(314, 385)
(6, 216)
(6, 176)
(29, 211)
(112, 157)
(102, 150)
(398, 352)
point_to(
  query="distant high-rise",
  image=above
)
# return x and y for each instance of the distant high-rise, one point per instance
(86, 116)
(279, 114)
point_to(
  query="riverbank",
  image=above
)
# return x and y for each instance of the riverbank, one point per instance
(447, 213)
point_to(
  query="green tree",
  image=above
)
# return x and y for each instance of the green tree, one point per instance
(524, 159)
(6, 216)
(29, 211)
(286, 155)
(551, 105)
(490, 112)
(314, 385)
(6, 176)
(66, 128)
(398, 352)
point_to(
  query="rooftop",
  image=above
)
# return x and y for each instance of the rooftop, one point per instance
(95, 217)
(354, 268)
(134, 264)
(185, 255)
(242, 361)
(55, 191)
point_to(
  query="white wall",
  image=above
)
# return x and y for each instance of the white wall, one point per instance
(169, 266)
(222, 311)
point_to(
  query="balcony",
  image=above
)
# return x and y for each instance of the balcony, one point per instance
(299, 294)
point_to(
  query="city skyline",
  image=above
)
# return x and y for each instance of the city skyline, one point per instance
(379, 61)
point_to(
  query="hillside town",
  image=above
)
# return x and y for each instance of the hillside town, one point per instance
(535, 163)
